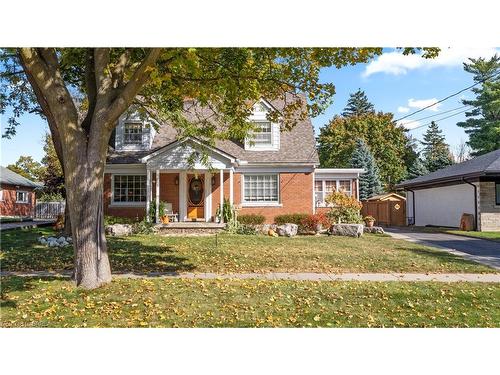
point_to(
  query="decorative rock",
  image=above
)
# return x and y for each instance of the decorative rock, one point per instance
(264, 228)
(288, 230)
(61, 240)
(376, 230)
(272, 233)
(119, 229)
(350, 230)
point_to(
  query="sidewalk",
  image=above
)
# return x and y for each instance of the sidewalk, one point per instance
(26, 224)
(303, 276)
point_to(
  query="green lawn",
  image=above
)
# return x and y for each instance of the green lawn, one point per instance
(495, 236)
(236, 253)
(31, 302)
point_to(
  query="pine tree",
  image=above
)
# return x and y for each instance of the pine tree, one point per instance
(369, 182)
(483, 121)
(417, 169)
(357, 105)
(436, 152)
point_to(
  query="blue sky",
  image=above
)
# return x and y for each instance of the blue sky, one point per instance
(391, 82)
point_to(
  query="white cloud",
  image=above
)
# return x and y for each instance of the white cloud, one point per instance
(396, 63)
(409, 124)
(422, 103)
(402, 109)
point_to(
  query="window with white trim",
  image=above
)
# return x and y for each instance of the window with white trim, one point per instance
(22, 196)
(345, 187)
(261, 188)
(262, 135)
(129, 188)
(1, 195)
(132, 133)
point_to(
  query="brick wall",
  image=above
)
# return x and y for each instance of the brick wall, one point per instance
(489, 212)
(8, 205)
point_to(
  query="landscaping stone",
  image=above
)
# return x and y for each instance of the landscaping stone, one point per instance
(119, 229)
(272, 233)
(287, 230)
(265, 228)
(349, 230)
(376, 230)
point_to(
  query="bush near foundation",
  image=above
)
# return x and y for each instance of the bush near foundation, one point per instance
(251, 219)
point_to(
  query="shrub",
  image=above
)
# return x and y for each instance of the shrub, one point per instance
(152, 210)
(344, 209)
(110, 220)
(143, 227)
(290, 218)
(246, 229)
(50, 197)
(252, 219)
(310, 222)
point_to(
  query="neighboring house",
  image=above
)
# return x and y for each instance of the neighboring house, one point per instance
(271, 173)
(17, 196)
(473, 187)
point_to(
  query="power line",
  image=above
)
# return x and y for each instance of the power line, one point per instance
(441, 119)
(449, 96)
(436, 114)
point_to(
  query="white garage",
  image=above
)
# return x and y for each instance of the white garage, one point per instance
(472, 187)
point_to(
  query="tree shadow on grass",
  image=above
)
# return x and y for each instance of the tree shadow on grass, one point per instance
(132, 256)
(11, 284)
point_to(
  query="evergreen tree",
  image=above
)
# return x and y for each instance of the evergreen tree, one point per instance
(369, 182)
(417, 169)
(483, 121)
(357, 105)
(436, 152)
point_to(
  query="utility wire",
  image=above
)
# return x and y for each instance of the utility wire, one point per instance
(436, 114)
(440, 119)
(449, 96)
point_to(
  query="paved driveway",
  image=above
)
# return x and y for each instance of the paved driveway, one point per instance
(482, 251)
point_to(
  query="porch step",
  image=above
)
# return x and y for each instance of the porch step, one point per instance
(185, 228)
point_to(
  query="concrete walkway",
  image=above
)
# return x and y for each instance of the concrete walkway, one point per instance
(26, 224)
(478, 250)
(302, 276)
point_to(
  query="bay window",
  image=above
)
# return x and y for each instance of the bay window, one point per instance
(323, 188)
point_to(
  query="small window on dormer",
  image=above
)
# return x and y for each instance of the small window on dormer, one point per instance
(262, 135)
(132, 133)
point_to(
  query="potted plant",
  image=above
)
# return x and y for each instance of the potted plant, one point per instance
(369, 221)
(162, 214)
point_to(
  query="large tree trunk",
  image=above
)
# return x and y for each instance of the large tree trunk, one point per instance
(92, 267)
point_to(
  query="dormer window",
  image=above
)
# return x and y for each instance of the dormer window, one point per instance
(262, 135)
(132, 133)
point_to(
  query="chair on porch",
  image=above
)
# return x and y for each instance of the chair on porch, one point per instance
(173, 217)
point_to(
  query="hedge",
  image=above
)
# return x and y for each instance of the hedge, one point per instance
(251, 219)
(290, 218)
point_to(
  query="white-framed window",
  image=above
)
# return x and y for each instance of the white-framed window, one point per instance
(129, 189)
(262, 136)
(132, 133)
(260, 188)
(22, 196)
(1, 195)
(323, 188)
(345, 186)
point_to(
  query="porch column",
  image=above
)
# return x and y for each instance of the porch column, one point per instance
(148, 193)
(182, 196)
(221, 190)
(157, 196)
(231, 198)
(208, 196)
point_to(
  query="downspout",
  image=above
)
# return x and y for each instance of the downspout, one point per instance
(413, 205)
(475, 202)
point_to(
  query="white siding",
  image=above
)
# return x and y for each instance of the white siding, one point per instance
(442, 206)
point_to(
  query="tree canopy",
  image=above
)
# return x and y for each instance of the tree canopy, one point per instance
(358, 104)
(482, 123)
(436, 152)
(27, 167)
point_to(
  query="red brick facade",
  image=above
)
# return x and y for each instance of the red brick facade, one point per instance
(296, 195)
(9, 206)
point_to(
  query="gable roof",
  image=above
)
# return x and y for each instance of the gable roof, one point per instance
(487, 164)
(297, 145)
(12, 178)
(387, 196)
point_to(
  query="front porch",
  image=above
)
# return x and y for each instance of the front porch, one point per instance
(192, 191)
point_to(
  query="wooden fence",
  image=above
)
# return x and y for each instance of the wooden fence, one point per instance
(49, 210)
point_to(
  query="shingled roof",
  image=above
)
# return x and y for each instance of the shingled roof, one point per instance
(484, 165)
(297, 145)
(12, 178)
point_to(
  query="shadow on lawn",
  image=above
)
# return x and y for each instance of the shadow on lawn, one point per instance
(19, 284)
(441, 255)
(131, 256)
